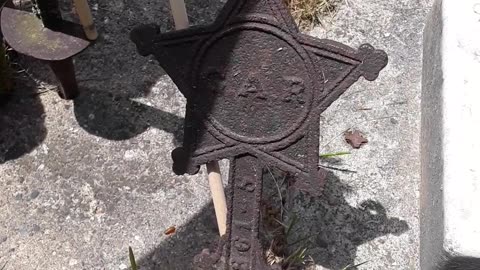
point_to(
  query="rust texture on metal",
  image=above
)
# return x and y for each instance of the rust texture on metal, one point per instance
(255, 88)
(48, 38)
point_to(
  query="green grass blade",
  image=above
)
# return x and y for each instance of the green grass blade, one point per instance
(348, 267)
(296, 257)
(302, 239)
(133, 263)
(330, 155)
(291, 225)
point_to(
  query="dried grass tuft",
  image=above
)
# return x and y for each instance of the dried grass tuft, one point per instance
(307, 13)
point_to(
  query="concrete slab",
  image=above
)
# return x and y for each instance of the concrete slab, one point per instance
(450, 117)
(387, 168)
(83, 180)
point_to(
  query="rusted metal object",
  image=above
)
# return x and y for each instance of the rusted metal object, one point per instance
(47, 38)
(255, 88)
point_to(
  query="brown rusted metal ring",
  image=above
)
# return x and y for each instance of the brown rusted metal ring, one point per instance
(311, 86)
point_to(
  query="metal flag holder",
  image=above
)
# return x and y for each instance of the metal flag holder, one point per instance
(46, 36)
(255, 89)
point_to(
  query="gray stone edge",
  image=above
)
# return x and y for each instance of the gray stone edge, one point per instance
(433, 254)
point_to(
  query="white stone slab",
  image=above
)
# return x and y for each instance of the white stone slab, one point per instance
(450, 192)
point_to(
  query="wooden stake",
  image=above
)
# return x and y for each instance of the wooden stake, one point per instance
(86, 19)
(218, 195)
(213, 169)
(179, 12)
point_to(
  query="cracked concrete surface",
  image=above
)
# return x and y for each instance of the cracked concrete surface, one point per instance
(82, 180)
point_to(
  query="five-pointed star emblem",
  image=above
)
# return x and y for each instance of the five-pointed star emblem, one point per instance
(254, 84)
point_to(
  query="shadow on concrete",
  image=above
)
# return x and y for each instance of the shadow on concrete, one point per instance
(462, 263)
(334, 230)
(111, 73)
(178, 251)
(22, 119)
(115, 116)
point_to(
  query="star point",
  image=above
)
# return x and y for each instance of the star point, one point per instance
(255, 89)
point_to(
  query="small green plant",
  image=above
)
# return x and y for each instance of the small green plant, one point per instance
(6, 83)
(296, 258)
(133, 263)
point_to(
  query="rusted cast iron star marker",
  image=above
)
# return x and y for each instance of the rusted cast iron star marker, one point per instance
(255, 88)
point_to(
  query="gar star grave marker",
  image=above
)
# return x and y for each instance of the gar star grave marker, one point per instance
(255, 88)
